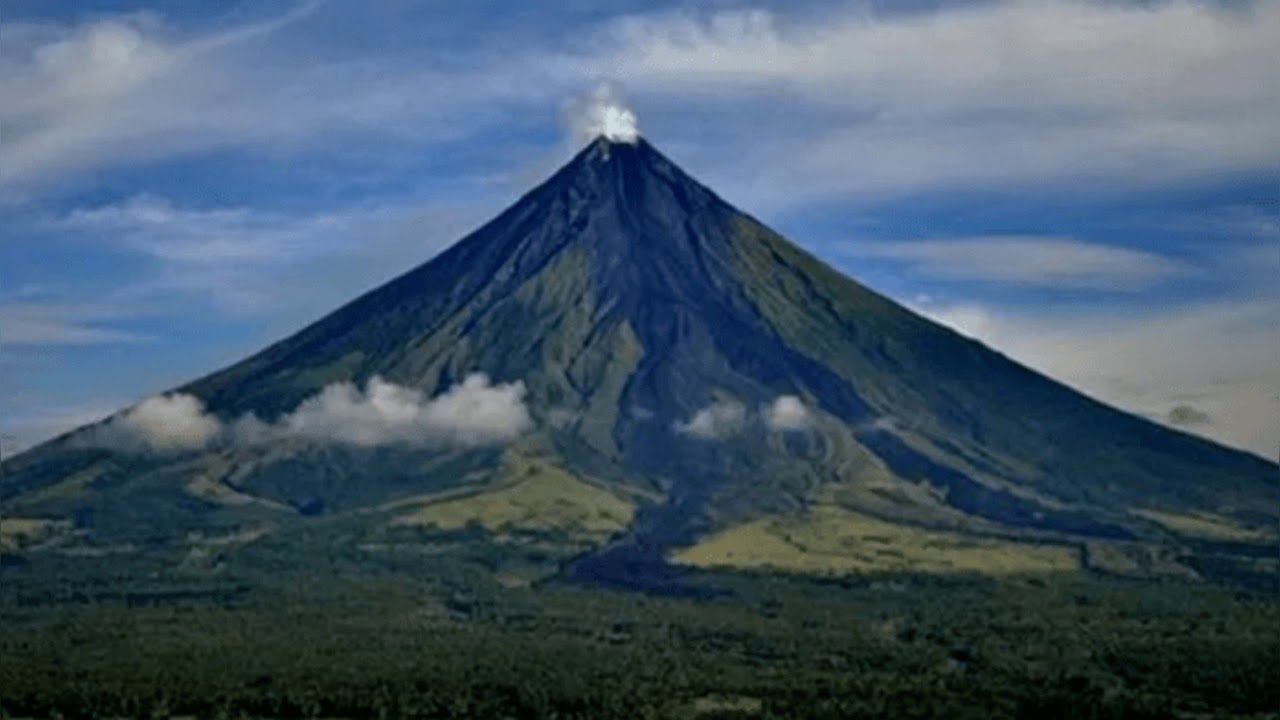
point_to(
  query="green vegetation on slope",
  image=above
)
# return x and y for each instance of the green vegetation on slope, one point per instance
(949, 392)
(1207, 525)
(830, 540)
(532, 493)
(18, 532)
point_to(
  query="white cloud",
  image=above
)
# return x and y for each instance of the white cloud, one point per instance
(1219, 356)
(881, 424)
(478, 412)
(1239, 221)
(30, 420)
(474, 412)
(71, 93)
(382, 413)
(1027, 260)
(246, 260)
(155, 227)
(51, 323)
(718, 420)
(787, 412)
(562, 418)
(602, 113)
(249, 429)
(128, 89)
(974, 94)
(164, 423)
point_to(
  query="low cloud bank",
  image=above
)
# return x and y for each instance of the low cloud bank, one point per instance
(720, 419)
(562, 418)
(724, 418)
(1217, 357)
(165, 423)
(787, 413)
(473, 412)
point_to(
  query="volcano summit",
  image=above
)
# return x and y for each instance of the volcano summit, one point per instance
(622, 374)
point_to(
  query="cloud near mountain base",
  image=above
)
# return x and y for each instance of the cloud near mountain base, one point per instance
(165, 423)
(720, 419)
(471, 413)
(725, 418)
(787, 412)
(474, 412)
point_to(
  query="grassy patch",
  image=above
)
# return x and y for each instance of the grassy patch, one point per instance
(240, 537)
(16, 532)
(1142, 560)
(725, 704)
(832, 540)
(212, 491)
(71, 488)
(538, 495)
(1204, 525)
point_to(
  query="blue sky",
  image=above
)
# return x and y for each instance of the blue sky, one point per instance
(1091, 188)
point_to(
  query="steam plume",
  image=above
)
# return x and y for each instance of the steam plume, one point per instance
(603, 113)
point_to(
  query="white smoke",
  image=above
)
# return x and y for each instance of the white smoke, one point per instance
(718, 420)
(162, 424)
(787, 412)
(602, 113)
(474, 412)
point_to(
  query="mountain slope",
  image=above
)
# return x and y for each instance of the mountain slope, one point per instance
(653, 325)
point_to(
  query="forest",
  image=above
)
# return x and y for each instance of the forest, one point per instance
(436, 637)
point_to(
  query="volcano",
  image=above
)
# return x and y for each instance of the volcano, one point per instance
(695, 391)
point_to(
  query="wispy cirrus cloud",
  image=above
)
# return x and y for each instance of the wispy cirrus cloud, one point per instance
(247, 260)
(970, 95)
(128, 89)
(50, 324)
(232, 235)
(125, 86)
(29, 420)
(1039, 261)
(154, 226)
(1261, 225)
(1217, 357)
(966, 95)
